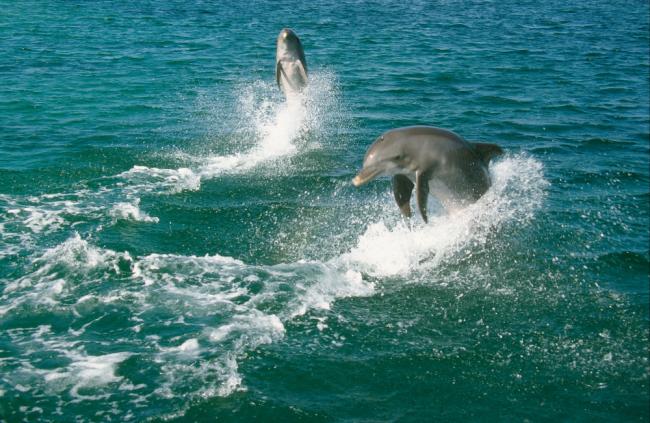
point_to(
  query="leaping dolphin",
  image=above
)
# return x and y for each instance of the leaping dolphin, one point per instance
(290, 63)
(435, 161)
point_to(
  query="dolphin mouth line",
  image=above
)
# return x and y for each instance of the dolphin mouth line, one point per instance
(365, 176)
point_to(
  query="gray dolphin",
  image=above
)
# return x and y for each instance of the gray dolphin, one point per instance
(290, 63)
(433, 160)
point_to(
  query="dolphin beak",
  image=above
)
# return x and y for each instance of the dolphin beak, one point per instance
(366, 174)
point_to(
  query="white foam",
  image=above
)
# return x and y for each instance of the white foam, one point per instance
(79, 255)
(231, 382)
(247, 305)
(131, 211)
(266, 328)
(87, 371)
(222, 287)
(239, 306)
(143, 179)
(277, 124)
(189, 348)
(75, 256)
(93, 373)
(276, 135)
(191, 345)
(331, 283)
(40, 220)
(517, 191)
(267, 131)
(27, 218)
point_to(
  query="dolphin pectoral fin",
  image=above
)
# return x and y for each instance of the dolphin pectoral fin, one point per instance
(303, 71)
(278, 71)
(303, 61)
(402, 188)
(422, 192)
(487, 151)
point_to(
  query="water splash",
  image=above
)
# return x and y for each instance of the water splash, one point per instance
(188, 321)
(518, 190)
(191, 320)
(268, 130)
(277, 127)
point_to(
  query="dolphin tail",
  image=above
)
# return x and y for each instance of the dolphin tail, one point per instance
(487, 151)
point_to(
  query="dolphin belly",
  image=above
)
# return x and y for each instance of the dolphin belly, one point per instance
(291, 75)
(290, 63)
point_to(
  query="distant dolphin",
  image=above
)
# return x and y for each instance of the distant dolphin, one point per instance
(437, 161)
(290, 63)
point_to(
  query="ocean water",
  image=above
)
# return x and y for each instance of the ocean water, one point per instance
(178, 242)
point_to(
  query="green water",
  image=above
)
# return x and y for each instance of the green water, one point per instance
(179, 242)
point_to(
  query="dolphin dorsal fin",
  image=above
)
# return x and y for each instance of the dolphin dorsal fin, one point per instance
(487, 151)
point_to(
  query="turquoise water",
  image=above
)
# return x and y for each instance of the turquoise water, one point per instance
(178, 242)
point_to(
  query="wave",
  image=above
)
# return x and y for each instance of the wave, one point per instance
(220, 308)
(188, 321)
(131, 211)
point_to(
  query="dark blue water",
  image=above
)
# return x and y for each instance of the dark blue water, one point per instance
(179, 242)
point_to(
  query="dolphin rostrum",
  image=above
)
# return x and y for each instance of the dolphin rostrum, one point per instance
(432, 160)
(290, 63)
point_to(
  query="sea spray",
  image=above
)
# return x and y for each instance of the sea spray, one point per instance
(278, 126)
(276, 130)
(218, 309)
(517, 191)
(531, 311)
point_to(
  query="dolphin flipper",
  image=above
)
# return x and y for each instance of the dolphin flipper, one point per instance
(422, 191)
(303, 71)
(402, 188)
(278, 72)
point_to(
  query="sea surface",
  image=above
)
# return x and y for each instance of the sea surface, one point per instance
(179, 242)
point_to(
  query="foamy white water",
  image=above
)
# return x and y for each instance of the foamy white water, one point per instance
(131, 211)
(215, 308)
(518, 189)
(220, 307)
(276, 128)
(273, 128)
